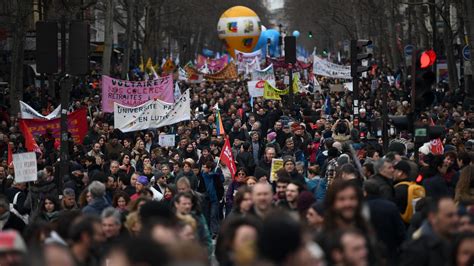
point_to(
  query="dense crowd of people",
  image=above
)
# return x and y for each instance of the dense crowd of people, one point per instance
(339, 199)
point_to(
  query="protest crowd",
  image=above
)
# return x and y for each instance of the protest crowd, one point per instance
(244, 180)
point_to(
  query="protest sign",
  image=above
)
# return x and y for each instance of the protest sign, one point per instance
(325, 68)
(243, 60)
(27, 112)
(25, 167)
(214, 65)
(264, 74)
(272, 93)
(229, 72)
(152, 114)
(336, 87)
(76, 125)
(134, 93)
(277, 164)
(167, 140)
(256, 87)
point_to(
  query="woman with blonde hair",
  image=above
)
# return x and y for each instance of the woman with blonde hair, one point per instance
(465, 187)
(133, 223)
(187, 227)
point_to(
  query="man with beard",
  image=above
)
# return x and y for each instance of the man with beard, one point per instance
(343, 210)
(86, 237)
(431, 243)
(281, 185)
(293, 190)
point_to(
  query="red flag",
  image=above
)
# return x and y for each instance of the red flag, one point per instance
(227, 158)
(10, 154)
(30, 142)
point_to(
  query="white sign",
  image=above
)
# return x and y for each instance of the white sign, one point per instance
(27, 112)
(152, 114)
(325, 68)
(243, 59)
(25, 167)
(256, 87)
(167, 140)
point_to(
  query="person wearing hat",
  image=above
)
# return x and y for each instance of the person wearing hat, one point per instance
(272, 142)
(142, 183)
(12, 248)
(400, 174)
(289, 170)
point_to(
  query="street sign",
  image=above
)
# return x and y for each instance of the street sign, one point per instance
(466, 53)
(408, 49)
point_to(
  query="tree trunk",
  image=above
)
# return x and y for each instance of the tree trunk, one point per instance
(22, 11)
(392, 33)
(129, 33)
(469, 19)
(448, 44)
(108, 37)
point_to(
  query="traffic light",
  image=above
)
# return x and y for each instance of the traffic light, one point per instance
(310, 34)
(424, 79)
(357, 55)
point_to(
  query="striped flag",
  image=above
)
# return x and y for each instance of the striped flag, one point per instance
(219, 125)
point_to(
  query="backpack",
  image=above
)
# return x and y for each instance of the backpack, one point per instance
(415, 193)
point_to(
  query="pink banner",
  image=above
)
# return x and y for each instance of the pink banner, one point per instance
(134, 93)
(280, 63)
(214, 65)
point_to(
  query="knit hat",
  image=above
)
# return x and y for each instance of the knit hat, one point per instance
(288, 159)
(11, 241)
(69, 192)
(403, 166)
(271, 136)
(143, 180)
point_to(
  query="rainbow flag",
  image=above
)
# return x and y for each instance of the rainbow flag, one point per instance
(219, 125)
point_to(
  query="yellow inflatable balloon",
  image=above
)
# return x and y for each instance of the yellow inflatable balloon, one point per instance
(240, 28)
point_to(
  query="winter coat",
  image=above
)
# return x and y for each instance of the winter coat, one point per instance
(96, 206)
(426, 250)
(385, 186)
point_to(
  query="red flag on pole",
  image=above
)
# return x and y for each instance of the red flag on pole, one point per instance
(30, 142)
(227, 158)
(10, 154)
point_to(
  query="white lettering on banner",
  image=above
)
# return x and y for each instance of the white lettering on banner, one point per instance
(152, 114)
(134, 93)
(325, 68)
(25, 167)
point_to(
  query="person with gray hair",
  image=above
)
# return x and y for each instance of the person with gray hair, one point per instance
(384, 178)
(98, 203)
(111, 223)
